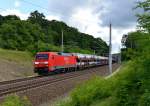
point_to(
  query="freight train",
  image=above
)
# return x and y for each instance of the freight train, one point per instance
(47, 62)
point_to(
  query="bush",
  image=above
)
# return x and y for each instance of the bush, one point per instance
(15, 100)
(132, 83)
(145, 99)
(92, 90)
(129, 87)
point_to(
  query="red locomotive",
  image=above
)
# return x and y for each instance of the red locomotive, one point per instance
(46, 62)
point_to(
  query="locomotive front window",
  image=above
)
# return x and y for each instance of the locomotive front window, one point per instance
(42, 56)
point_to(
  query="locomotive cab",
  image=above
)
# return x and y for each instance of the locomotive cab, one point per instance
(43, 62)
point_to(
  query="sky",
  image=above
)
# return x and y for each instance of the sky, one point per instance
(88, 16)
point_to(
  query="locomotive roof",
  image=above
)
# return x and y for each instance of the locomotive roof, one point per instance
(47, 53)
(79, 55)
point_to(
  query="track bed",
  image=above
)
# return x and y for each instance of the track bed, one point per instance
(42, 89)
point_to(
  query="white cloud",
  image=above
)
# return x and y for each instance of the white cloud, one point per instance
(53, 17)
(14, 12)
(93, 17)
(17, 3)
(84, 20)
(24, 16)
(88, 22)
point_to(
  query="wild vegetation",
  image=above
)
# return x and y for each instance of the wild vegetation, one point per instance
(39, 34)
(138, 40)
(24, 58)
(18, 64)
(131, 85)
(15, 100)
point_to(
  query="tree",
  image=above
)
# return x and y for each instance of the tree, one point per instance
(39, 34)
(20, 35)
(136, 40)
(11, 18)
(36, 17)
(144, 19)
(1, 19)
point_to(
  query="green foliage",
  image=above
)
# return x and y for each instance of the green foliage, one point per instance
(128, 54)
(145, 99)
(129, 87)
(90, 91)
(144, 19)
(139, 39)
(36, 17)
(104, 102)
(64, 102)
(136, 43)
(16, 56)
(39, 34)
(136, 40)
(19, 35)
(15, 100)
(86, 94)
(133, 83)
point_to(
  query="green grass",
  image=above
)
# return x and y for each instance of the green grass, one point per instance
(14, 100)
(16, 56)
(129, 87)
(90, 91)
(104, 102)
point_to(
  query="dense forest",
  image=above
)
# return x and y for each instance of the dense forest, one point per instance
(39, 34)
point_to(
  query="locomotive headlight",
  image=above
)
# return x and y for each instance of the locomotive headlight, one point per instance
(45, 62)
(36, 62)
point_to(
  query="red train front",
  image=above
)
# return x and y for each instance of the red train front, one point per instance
(46, 62)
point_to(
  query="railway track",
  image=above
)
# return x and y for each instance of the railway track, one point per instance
(14, 86)
(16, 80)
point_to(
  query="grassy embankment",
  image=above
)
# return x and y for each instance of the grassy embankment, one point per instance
(17, 59)
(129, 87)
(15, 64)
(21, 57)
(15, 100)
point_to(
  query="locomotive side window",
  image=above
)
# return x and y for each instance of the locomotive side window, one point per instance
(42, 56)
